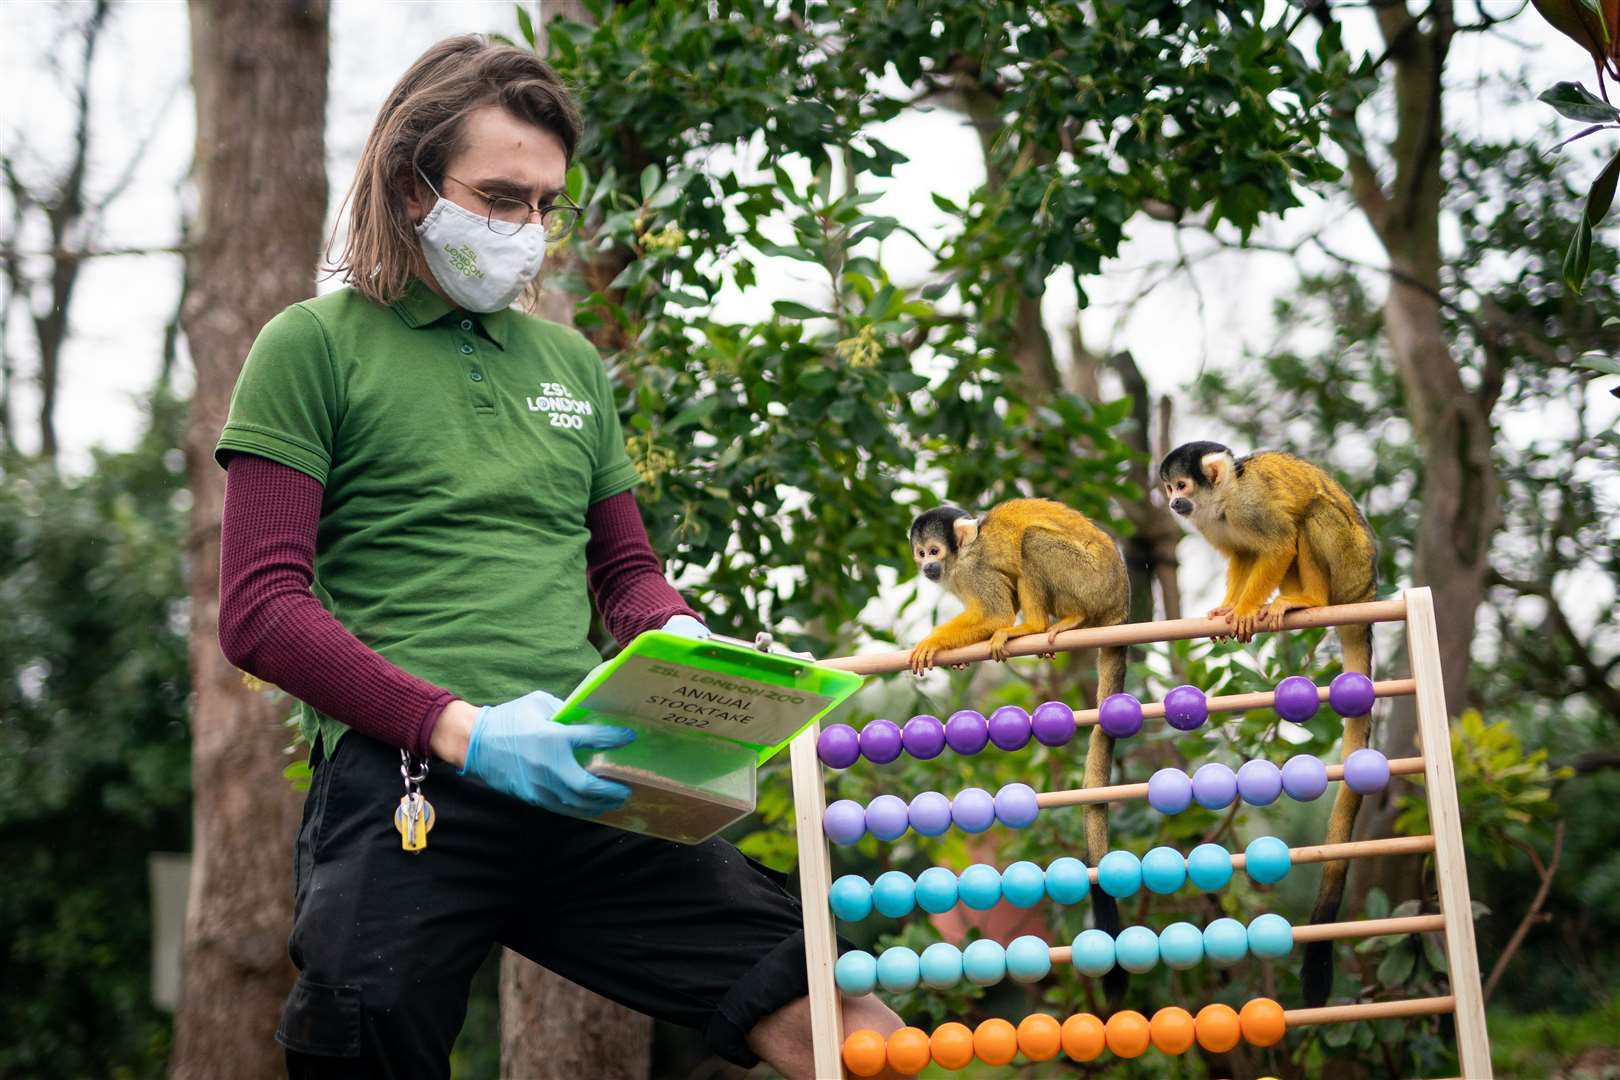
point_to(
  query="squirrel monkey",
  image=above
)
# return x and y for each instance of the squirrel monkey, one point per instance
(1286, 526)
(1056, 567)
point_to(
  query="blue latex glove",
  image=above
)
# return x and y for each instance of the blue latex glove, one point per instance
(519, 750)
(686, 626)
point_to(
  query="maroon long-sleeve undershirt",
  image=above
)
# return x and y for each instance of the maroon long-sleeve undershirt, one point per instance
(273, 627)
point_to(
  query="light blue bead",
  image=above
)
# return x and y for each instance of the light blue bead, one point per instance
(1137, 949)
(1267, 860)
(979, 887)
(894, 894)
(984, 962)
(897, 969)
(941, 965)
(1023, 884)
(851, 898)
(1067, 881)
(1028, 959)
(1181, 946)
(1163, 870)
(936, 890)
(1119, 874)
(1225, 942)
(1270, 936)
(856, 973)
(1210, 867)
(1092, 953)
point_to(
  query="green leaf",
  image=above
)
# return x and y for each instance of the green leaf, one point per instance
(1575, 101)
(1578, 260)
(1396, 967)
(525, 24)
(649, 182)
(795, 310)
(1601, 197)
(1596, 361)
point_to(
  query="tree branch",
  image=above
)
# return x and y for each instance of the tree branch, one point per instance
(1546, 874)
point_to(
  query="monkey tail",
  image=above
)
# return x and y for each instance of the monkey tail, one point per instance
(1099, 767)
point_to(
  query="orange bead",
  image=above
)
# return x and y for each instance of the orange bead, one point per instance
(1083, 1037)
(995, 1042)
(1127, 1032)
(1172, 1030)
(1216, 1027)
(1040, 1037)
(865, 1053)
(1262, 1021)
(951, 1045)
(908, 1050)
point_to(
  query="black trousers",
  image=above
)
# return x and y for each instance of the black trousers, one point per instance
(386, 942)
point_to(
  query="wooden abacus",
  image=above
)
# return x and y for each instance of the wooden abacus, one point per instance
(1465, 1002)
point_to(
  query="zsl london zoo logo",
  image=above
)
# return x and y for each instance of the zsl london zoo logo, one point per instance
(464, 259)
(565, 410)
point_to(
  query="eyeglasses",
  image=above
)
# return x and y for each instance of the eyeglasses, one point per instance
(508, 215)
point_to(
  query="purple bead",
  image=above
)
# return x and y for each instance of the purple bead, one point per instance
(1297, 699)
(1170, 791)
(887, 817)
(1351, 694)
(1120, 715)
(1214, 786)
(844, 822)
(1016, 806)
(838, 746)
(924, 737)
(1185, 708)
(1304, 777)
(930, 813)
(1366, 771)
(1259, 782)
(973, 810)
(880, 741)
(1009, 727)
(1053, 723)
(966, 731)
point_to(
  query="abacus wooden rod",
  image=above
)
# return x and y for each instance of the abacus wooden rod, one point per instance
(1125, 634)
(1120, 792)
(1261, 700)
(815, 877)
(1371, 1010)
(1360, 928)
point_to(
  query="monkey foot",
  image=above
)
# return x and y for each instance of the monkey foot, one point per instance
(922, 658)
(1244, 624)
(1220, 612)
(1272, 617)
(998, 646)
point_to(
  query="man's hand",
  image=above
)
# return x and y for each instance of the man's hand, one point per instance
(686, 626)
(519, 750)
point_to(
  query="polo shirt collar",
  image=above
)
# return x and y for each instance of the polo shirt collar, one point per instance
(420, 306)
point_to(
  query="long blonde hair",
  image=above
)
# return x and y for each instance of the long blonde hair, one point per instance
(420, 126)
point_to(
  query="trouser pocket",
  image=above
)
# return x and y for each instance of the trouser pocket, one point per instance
(321, 1019)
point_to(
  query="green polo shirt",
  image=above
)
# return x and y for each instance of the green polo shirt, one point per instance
(459, 453)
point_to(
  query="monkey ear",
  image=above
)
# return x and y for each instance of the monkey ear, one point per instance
(1217, 468)
(967, 530)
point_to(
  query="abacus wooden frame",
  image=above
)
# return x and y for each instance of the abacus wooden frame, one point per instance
(1415, 608)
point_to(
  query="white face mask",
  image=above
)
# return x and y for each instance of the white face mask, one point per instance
(478, 268)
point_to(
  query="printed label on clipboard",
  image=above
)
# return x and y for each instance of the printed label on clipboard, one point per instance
(731, 706)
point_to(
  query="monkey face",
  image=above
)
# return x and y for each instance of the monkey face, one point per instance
(936, 536)
(1192, 474)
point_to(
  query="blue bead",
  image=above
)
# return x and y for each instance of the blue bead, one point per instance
(1028, 959)
(897, 969)
(1267, 860)
(1181, 946)
(887, 817)
(979, 887)
(1067, 881)
(941, 965)
(856, 973)
(851, 898)
(936, 890)
(1163, 870)
(1016, 806)
(1023, 884)
(1225, 942)
(1137, 949)
(894, 894)
(1119, 874)
(1214, 786)
(973, 810)
(1270, 936)
(984, 962)
(1210, 867)
(1170, 791)
(1092, 953)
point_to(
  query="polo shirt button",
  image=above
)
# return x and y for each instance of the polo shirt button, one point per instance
(466, 324)
(467, 349)
(476, 376)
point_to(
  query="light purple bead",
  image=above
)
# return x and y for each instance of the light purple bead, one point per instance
(1366, 771)
(1259, 782)
(838, 746)
(1304, 777)
(973, 810)
(1170, 791)
(1009, 728)
(924, 737)
(844, 822)
(1297, 699)
(1053, 723)
(930, 813)
(1185, 708)
(1214, 786)
(887, 817)
(880, 741)
(1351, 694)
(966, 731)
(1016, 806)
(1120, 715)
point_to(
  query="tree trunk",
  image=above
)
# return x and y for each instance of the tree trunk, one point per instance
(259, 75)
